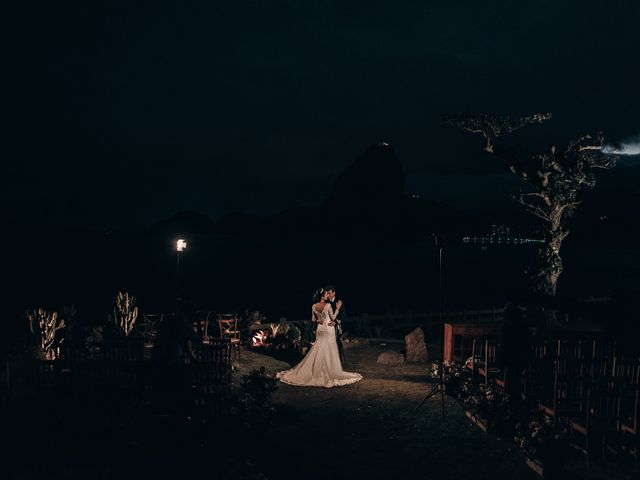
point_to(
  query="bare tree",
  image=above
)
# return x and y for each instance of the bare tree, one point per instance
(554, 179)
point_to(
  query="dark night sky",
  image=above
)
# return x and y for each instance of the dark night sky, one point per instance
(118, 115)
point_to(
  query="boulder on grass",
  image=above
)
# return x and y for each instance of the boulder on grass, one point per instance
(416, 346)
(390, 358)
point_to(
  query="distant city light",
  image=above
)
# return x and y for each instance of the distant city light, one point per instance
(500, 235)
(181, 245)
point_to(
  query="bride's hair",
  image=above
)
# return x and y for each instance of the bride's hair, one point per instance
(317, 295)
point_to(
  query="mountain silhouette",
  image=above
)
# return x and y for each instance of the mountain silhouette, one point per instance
(368, 199)
(239, 222)
(375, 178)
(184, 223)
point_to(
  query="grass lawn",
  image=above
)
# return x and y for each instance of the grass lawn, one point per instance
(369, 429)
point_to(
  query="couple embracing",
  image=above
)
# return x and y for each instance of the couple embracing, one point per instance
(322, 367)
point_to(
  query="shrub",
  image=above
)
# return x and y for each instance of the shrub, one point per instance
(486, 400)
(256, 390)
(454, 375)
(540, 438)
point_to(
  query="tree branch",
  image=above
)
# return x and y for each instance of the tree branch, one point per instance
(533, 209)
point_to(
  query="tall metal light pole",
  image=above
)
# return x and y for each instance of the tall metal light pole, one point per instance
(181, 246)
(438, 388)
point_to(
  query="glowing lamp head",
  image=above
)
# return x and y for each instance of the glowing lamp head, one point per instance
(181, 245)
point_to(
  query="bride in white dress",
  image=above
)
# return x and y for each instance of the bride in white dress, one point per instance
(321, 366)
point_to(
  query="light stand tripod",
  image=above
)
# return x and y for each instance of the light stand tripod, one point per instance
(438, 388)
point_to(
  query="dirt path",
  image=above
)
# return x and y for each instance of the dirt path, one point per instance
(369, 430)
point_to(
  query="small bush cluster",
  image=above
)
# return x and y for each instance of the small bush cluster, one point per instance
(279, 337)
(485, 400)
(540, 438)
(253, 402)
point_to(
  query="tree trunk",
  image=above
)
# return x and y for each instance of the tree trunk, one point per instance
(548, 266)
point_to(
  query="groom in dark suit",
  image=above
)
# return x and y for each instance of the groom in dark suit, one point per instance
(332, 301)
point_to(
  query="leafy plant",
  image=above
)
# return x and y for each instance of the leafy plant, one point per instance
(259, 339)
(294, 334)
(93, 340)
(540, 438)
(486, 400)
(256, 389)
(275, 328)
(45, 324)
(281, 336)
(125, 313)
(454, 376)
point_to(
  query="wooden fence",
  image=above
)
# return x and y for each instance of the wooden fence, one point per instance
(430, 319)
(399, 324)
(123, 369)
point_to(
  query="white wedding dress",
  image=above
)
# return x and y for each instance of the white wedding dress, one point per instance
(321, 366)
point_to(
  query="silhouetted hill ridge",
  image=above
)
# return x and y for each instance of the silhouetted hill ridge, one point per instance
(183, 223)
(368, 199)
(376, 176)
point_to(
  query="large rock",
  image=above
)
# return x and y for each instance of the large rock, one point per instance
(390, 358)
(416, 346)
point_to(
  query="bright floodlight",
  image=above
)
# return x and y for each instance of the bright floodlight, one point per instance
(181, 244)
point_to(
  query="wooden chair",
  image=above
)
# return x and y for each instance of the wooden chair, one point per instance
(491, 367)
(629, 434)
(603, 360)
(120, 353)
(209, 373)
(538, 376)
(626, 379)
(569, 392)
(477, 352)
(228, 324)
(571, 378)
(599, 420)
(574, 349)
(201, 328)
(485, 361)
(148, 326)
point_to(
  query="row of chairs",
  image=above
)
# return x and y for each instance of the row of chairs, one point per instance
(203, 377)
(228, 329)
(584, 384)
(593, 389)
